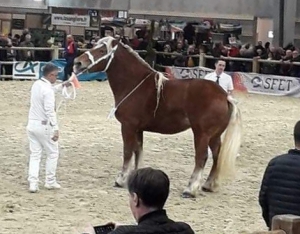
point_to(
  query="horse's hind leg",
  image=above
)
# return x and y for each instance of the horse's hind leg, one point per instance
(139, 149)
(210, 184)
(201, 150)
(129, 145)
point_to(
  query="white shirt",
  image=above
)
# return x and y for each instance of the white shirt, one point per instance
(42, 102)
(225, 81)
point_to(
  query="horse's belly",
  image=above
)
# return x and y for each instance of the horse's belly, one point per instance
(169, 125)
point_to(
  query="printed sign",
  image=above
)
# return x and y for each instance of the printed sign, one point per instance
(70, 20)
(272, 85)
(245, 82)
(187, 72)
(34, 71)
(26, 70)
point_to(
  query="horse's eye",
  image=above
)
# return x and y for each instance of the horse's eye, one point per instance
(102, 51)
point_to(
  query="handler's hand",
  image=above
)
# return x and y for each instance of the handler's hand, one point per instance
(66, 84)
(55, 136)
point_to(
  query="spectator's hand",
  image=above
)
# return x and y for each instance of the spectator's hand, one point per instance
(116, 225)
(89, 229)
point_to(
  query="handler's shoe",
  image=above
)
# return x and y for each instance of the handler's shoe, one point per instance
(54, 185)
(33, 188)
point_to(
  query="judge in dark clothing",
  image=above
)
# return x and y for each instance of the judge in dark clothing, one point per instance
(148, 191)
(280, 188)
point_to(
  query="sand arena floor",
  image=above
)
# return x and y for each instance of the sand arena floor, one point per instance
(91, 147)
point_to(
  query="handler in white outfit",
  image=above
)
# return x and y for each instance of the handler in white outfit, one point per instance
(42, 129)
(224, 80)
(221, 78)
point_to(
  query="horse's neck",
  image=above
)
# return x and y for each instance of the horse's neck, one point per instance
(125, 74)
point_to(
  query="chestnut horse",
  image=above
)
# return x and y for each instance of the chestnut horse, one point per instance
(145, 100)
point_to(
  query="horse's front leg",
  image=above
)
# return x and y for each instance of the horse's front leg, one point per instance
(129, 146)
(139, 149)
(201, 154)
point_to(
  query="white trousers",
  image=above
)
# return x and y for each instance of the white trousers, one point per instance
(40, 138)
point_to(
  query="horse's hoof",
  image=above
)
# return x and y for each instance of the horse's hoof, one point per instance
(117, 185)
(187, 195)
(207, 189)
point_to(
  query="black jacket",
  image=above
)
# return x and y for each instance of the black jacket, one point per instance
(280, 188)
(156, 222)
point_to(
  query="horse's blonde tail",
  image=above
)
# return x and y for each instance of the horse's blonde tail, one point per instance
(231, 142)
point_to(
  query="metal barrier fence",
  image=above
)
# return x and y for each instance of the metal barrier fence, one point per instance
(56, 52)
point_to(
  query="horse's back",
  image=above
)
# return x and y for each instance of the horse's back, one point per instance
(194, 91)
(198, 98)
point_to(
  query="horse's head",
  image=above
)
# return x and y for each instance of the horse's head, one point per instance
(98, 58)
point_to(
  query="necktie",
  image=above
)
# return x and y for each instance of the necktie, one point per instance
(218, 77)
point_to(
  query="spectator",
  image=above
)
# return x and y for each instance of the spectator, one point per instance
(70, 55)
(295, 69)
(280, 188)
(3, 51)
(148, 191)
(26, 55)
(91, 44)
(24, 33)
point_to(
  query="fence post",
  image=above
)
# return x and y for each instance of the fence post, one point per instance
(202, 60)
(55, 53)
(255, 65)
(288, 223)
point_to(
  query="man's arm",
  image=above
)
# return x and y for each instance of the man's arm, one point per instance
(58, 88)
(49, 107)
(263, 194)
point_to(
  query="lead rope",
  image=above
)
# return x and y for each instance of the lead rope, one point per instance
(114, 109)
(66, 95)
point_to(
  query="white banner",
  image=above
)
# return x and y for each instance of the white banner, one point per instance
(188, 72)
(271, 84)
(26, 70)
(245, 82)
(70, 20)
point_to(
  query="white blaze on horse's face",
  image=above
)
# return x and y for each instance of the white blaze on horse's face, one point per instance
(102, 53)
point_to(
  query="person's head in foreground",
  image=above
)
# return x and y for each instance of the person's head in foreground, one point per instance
(148, 191)
(297, 135)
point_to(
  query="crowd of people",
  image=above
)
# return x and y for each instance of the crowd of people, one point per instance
(181, 52)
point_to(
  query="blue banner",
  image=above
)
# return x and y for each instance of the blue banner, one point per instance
(61, 63)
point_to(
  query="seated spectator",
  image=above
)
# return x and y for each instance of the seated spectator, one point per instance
(148, 191)
(280, 188)
(295, 69)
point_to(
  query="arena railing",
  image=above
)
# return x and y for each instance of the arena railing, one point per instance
(256, 61)
(56, 52)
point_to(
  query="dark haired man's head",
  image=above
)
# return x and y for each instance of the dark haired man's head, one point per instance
(297, 135)
(148, 191)
(220, 66)
(50, 72)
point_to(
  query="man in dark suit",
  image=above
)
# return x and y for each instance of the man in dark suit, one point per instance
(148, 191)
(280, 188)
